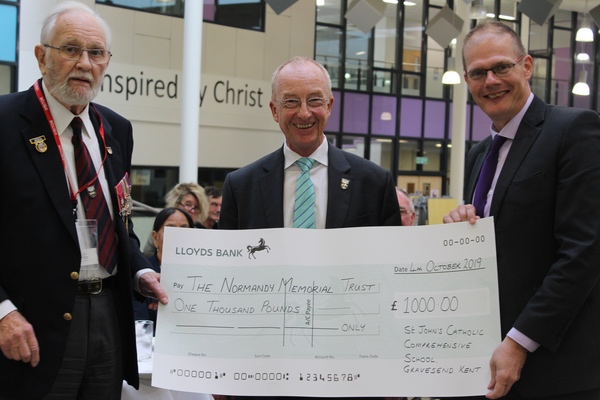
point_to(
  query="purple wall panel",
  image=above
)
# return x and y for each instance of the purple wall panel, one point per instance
(410, 119)
(435, 118)
(481, 124)
(384, 115)
(356, 113)
(333, 124)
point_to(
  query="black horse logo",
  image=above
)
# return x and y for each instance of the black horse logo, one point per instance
(261, 246)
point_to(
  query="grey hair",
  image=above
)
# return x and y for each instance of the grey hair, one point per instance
(297, 61)
(49, 24)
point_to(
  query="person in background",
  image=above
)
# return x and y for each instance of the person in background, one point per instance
(191, 198)
(544, 195)
(214, 197)
(145, 308)
(407, 209)
(66, 324)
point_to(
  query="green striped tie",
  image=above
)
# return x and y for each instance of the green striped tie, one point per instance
(304, 203)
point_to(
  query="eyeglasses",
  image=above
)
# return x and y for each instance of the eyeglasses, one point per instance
(74, 53)
(294, 104)
(405, 211)
(498, 70)
(189, 207)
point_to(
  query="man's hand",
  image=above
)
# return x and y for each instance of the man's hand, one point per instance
(149, 284)
(462, 213)
(17, 339)
(506, 365)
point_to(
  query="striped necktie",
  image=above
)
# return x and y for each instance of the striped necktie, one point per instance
(304, 203)
(93, 200)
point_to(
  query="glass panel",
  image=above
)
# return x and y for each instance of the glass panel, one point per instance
(6, 78)
(539, 77)
(562, 18)
(356, 113)
(8, 33)
(383, 120)
(384, 81)
(435, 69)
(357, 52)
(413, 33)
(508, 9)
(328, 51)
(561, 71)
(330, 12)
(538, 39)
(384, 52)
(435, 119)
(381, 152)
(411, 116)
(354, 145)
(407, 161)
(245, 14)
(333, 124)
(432, 156)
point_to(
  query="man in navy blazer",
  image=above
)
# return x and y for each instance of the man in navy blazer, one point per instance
(349, 190)
(63, 335)
(545, 200)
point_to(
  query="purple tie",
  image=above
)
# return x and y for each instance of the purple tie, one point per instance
(484, 183)
(93, 200)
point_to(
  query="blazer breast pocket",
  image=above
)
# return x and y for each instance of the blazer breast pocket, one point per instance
(529, 189)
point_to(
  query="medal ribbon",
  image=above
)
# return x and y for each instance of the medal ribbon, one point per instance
(40, 96)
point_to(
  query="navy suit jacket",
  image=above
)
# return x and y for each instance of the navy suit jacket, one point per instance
(546, 209)
(253, 195)
(40, 250)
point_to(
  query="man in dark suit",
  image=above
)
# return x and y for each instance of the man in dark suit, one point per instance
(545, 200)
(66, 322)
(349, 190)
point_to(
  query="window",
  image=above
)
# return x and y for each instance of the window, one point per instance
(244, 14)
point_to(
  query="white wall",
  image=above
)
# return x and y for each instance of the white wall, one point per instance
(150, 47)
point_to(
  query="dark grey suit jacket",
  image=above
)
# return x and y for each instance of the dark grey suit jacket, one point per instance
(39, 246)
(546, 209)
(253, 195)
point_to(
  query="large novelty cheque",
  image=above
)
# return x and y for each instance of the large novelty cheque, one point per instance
(378, 311)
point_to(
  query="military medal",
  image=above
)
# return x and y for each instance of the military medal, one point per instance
(91, 190)
(344, 184)
(39, 143)
(125, 201)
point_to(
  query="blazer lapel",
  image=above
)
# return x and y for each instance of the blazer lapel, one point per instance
(48, 163)
(339, 188)
(526, 135)
(271, 189)
(473, 177)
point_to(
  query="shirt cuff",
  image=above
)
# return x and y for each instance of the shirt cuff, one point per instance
(523, 340)
(6, 307)
(136, 279)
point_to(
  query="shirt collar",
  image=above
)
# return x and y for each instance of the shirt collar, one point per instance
(320, 154)
(63, 116)
(510, 129)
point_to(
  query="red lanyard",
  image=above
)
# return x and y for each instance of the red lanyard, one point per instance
(56, 135)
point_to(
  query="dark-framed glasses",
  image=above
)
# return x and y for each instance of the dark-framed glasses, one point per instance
(74, 53)
(294, 104)
(189, 207)
(498, 70)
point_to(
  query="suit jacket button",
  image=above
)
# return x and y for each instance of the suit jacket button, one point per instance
(67, 316)
(74, 275)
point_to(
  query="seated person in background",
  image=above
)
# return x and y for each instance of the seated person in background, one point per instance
(189, 197)
(407, 209)
(170, 216)
(214, 207)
